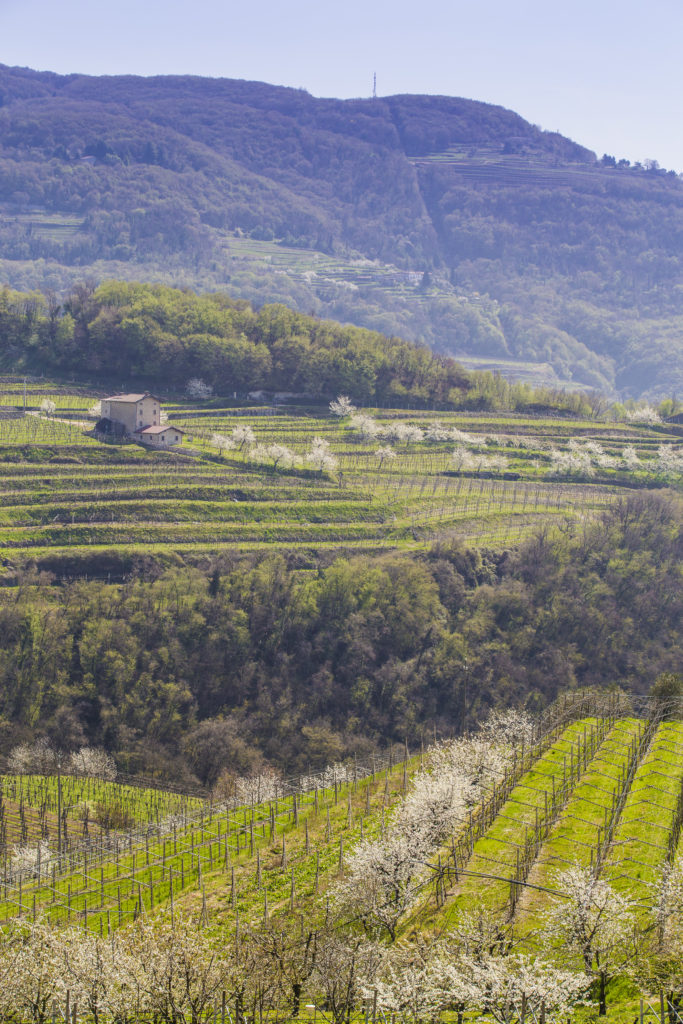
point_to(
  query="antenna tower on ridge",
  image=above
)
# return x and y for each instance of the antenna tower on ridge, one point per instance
(374, 86)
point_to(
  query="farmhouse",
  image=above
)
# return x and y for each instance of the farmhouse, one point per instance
(133, 411)
(139, 416)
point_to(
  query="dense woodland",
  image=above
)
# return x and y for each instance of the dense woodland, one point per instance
(506, 241)
(301, 661)
(161, 337)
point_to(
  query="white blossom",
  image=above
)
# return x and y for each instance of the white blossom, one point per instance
(466, 461)
(476, 758)
(279, 454)
(243, 436)
(384, 875)
(403, 432)
(344, 971)
(629, 457)
(381, 880)
(48, 407)
(436, 432)
(646, 414)
(418, 983)
(95, 762)
(334, 773)
(506, 983)
(31, 965)
(320, 456)
(385, 453)
(38, 757)
(258, 787)
(462, 437)
(32, 861)
(590, 919)
(367, 426)
(571, 463)
(667, 902)
(223, 443)
(669, 460)
(342, 406)
(507, 727)
(178, 970)
(197, 388)
(436, 803)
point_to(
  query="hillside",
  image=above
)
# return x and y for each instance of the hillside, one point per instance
(432, 218)
(504, 875)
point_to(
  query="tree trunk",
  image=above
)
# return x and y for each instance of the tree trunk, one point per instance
(603, 997)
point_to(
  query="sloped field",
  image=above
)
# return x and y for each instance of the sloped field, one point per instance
(576, 793)
(415, 477)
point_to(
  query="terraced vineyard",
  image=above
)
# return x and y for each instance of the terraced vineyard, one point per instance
(578, 793)
(67, 496)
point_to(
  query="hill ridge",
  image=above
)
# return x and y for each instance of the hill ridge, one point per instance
(578, 259)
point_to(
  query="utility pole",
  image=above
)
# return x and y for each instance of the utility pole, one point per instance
(374, 86)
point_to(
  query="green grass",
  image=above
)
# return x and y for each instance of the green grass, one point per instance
(535, 801)
(641, 840)
(65, 496)
(201, 847)
(272, 860)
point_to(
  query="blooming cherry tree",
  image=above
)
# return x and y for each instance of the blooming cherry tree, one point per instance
(38, 757)
(243, 437)
(381, 881)
(385, 453)
(279, 455)
(320, 456)
(222, 443)
(95, 762)
(593, 921)
(197, 388)
(367, 426)
(342, 406)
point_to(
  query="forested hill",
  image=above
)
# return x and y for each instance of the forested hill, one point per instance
(436, 219)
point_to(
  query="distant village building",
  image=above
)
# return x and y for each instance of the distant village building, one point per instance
(139, 416)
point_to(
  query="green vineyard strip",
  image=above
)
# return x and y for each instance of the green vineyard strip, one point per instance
(581, 827)
(108, 891)
(641, 840)
(530, 805)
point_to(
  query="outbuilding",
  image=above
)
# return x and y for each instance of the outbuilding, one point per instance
(160, 436)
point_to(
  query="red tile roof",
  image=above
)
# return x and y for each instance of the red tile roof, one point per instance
(160, 429)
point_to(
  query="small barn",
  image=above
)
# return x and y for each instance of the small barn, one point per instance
(162, 436)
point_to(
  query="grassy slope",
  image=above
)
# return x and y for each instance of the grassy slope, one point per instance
(67, 496)
(288, 860)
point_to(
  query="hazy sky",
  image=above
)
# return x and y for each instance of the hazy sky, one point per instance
(608, 73)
